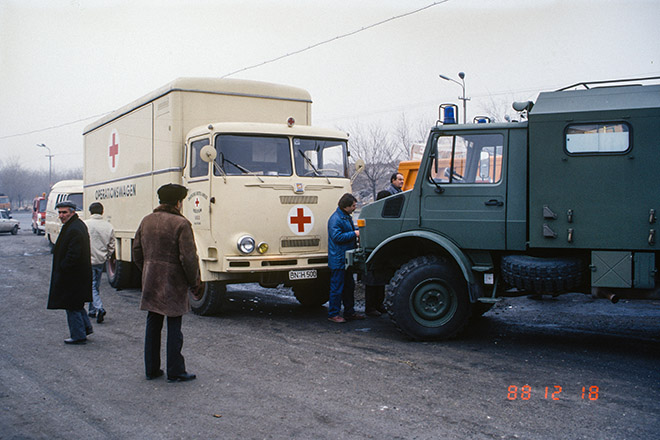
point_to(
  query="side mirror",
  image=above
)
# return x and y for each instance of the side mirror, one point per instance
(208, 153)
(359, 167)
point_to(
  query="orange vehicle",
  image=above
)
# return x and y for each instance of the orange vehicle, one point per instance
(5, 203)
(39, 214)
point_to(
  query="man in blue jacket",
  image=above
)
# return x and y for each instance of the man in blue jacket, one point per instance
(342, 236)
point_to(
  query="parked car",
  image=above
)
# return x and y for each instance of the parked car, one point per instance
(8, 224)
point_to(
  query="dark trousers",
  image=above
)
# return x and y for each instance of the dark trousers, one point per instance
(79, 324)
(342, 290)
(175, 363)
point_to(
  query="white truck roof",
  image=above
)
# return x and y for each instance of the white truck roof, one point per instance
(233, 87)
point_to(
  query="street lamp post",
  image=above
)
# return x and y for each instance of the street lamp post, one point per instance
(461, 75)
(50, 164)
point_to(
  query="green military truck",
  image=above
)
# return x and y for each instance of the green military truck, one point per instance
(564, 200)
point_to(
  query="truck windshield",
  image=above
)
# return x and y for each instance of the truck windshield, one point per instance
(320, 157)
(42, 205)
(247, 154)
(76, 198)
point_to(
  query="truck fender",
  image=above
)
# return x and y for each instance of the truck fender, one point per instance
(447, 245)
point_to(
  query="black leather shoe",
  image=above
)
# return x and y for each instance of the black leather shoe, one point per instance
(92, 314)
(75, 341)
(100, 316)
(156, 375)
(185, 377)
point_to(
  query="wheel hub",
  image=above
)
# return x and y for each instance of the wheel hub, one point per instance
(433, 303)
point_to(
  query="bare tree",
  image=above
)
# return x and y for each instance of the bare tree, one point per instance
(373, 145)
(407, 133)
(22, 185)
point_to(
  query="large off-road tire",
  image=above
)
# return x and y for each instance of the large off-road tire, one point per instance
(312, 294)
(211, 301)
(542, 275)
(428, 299)
(119, 273)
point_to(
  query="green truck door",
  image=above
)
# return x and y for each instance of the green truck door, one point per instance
(463, 196)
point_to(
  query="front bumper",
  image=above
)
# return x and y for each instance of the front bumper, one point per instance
(356, 259)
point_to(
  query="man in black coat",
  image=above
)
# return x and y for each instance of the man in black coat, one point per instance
(71, 276)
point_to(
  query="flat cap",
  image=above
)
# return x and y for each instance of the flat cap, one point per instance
(172, 193)
(66, 204)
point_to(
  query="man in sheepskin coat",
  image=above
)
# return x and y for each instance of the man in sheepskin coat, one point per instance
(164, 250)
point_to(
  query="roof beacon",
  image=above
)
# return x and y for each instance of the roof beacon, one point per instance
(448, 113)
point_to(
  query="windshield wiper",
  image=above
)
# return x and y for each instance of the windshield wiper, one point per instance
(242, 168)
(312, 165)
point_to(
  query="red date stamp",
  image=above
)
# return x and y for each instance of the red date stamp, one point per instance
(553, 392)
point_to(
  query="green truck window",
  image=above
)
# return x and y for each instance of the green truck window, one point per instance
(604, 138)
(474, 158)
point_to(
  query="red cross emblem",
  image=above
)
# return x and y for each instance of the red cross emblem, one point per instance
(196, 202)
(301, 220)
(113, 150)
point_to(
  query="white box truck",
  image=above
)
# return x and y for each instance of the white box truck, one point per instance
(261, 181)
(71, 190)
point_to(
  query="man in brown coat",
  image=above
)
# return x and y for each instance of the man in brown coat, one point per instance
(164, 250)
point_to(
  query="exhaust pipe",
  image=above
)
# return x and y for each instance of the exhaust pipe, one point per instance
(601, 293)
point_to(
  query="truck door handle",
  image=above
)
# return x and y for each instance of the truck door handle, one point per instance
(494, 202)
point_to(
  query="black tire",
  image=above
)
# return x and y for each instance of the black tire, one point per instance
(542, 275)
(312, 294)
(211, 301)
(34, 230)
(428, 299)
(14, 230)
(119, 273)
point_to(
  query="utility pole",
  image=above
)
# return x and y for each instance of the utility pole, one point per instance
(50, 165)
(461, 75)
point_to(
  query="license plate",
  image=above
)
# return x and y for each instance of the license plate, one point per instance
(302, 274)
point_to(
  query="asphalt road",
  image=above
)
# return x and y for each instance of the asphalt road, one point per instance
(270, 369)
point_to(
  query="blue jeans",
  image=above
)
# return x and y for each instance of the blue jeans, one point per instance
(79, 324)
(96, 304)
(342, 289)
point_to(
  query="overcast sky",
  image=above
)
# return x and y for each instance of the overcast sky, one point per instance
(63, 61)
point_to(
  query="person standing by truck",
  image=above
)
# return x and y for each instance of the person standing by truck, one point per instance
(71, 276)
(102, 243)
(342, 236)
(396, 184)
(164, 250)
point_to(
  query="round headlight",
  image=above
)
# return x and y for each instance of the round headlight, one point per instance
(246, 244)
(262, 248)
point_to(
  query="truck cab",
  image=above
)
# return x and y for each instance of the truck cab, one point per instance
(563, 201)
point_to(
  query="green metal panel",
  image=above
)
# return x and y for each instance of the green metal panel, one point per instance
(611, 269)
(516, 197)
(644, 270)
(594, 201)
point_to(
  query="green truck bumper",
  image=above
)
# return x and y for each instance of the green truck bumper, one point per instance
(355, 259)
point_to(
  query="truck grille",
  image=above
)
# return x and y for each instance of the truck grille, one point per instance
(299, 200)
(300, 242)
